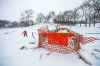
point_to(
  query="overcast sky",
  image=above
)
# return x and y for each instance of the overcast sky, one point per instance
(11, 9)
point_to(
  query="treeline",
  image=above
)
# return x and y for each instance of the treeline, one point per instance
(9, 24)
(87, 13)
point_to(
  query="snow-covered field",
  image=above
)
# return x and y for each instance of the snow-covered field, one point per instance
(12, 39)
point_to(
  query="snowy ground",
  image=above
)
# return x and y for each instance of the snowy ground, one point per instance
(10, 54)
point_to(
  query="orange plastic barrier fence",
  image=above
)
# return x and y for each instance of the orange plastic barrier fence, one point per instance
(58, 42)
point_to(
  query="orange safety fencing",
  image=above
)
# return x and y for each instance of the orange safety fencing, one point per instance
(59, 42)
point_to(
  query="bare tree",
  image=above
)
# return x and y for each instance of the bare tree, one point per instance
(50, 16)
(40, 18)
(27, 17)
